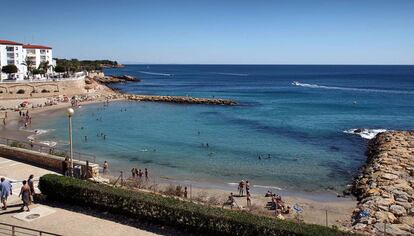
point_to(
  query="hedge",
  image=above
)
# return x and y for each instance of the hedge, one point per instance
(181, 214)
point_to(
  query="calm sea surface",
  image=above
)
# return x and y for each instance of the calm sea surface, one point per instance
(296, 129)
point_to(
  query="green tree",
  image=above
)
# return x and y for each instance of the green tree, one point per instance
(43, 67)
(30, 66)
(60, 69)
(9, 69)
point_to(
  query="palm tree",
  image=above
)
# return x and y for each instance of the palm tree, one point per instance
(29, 64)
(44, 66)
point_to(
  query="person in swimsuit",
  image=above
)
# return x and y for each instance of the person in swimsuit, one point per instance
(25, 194)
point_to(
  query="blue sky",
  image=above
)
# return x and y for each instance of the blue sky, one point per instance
(216, 32)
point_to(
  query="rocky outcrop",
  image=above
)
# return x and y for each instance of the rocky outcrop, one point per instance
(180, 99)
(111, 79)
(385, 188)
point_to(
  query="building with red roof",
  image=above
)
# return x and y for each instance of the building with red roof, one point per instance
(22, 56)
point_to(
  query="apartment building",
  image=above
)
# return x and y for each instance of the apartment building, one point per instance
(21, 55)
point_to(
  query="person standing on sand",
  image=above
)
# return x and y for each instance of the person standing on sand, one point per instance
(5, 190)
(105, 167)
(185, 192)
(30, 183)
(241, 188)
(133, 172)
(25, 193)
(140, 174)
(249, 200)
(146, 174)
(65, 167)
(247, 187)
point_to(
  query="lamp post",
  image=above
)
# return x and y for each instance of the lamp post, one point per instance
(70, 113)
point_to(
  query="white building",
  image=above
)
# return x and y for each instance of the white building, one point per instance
(38, 54)
(13, 53)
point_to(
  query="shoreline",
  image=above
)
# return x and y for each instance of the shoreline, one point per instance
(315, 204)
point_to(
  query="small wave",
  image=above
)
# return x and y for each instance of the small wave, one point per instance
(154, 73)
(295, 83)
(48, 143)
(233, 74)
(36, 132)
(365, 133)
(267, 187)
(233, 184)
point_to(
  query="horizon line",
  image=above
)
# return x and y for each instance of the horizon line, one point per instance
(265, 64)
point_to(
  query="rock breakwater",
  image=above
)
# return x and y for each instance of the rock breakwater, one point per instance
(112, 79)
(181, 100)
(385, 188)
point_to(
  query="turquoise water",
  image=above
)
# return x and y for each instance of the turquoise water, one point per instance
(296, 129)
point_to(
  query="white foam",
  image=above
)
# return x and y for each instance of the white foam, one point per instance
(267, 187)
(365, 133)
(48, 143)
(154, 73)
(37, 132)
(295, 83)
(233, 74)
(234, 184)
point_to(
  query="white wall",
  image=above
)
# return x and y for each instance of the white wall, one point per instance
(13, 57)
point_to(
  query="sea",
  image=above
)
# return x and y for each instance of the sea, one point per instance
(294, 128)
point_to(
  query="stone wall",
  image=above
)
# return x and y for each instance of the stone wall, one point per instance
(42, 89)
(44, 160)
(385, 188)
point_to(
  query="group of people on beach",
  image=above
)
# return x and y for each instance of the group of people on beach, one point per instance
(277, 204)
(243, 187)
(27, 192)
(138, 173)
(27, 119)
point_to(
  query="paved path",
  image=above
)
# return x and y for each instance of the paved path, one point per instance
(54, 219)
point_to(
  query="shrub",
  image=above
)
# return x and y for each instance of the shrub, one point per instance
(170, 211)
(9, 69)
(17, 144)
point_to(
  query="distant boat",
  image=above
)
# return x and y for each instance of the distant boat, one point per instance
(296, 83)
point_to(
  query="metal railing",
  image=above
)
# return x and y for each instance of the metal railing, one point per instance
(14, 230)
(47, 149)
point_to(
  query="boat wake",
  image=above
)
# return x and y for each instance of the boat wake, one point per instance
(154, 73)
(232, 74)
(365, 133)
(316, 86)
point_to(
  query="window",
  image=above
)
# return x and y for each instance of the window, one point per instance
(10, 49)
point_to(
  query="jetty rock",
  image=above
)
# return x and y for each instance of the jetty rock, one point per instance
(111, 79)
(385, 188)
(180, 99)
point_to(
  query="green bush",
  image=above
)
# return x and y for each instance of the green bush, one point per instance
(170, 211)
(17, 144)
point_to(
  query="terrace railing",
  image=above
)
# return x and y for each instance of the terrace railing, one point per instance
(14, 230)
(42, 148)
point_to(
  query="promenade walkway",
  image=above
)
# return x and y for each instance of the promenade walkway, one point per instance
(55, 219)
